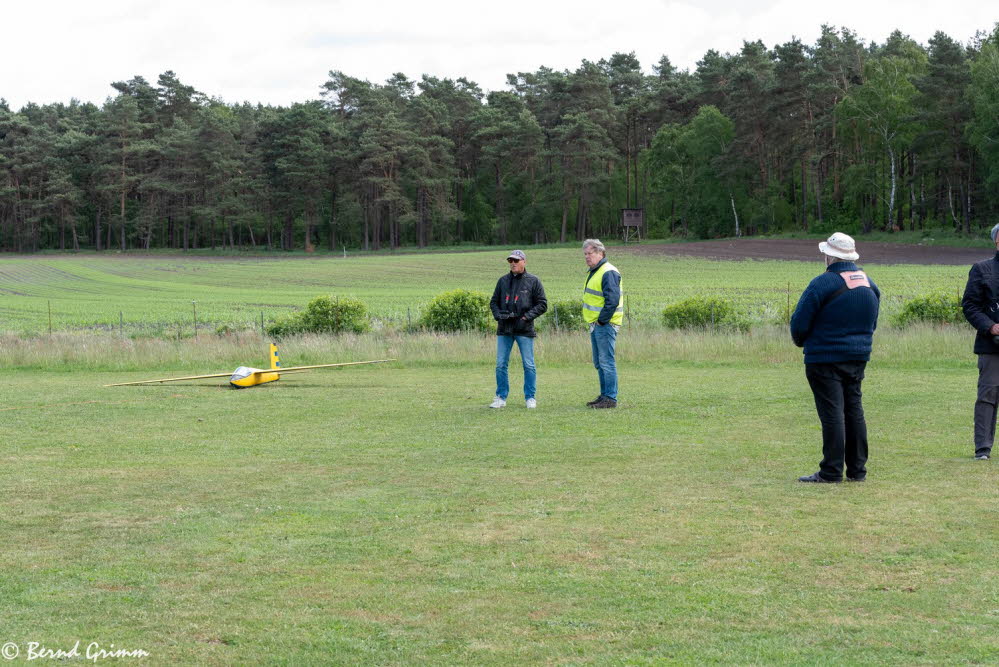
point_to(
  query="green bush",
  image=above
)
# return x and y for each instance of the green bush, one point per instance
(564, 316)
(324, 314)
(700, 311)
(286, 325)
(457, 310)
(938, 308)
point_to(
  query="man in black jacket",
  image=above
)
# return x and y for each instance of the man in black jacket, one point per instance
(981, 309)
(518, 300)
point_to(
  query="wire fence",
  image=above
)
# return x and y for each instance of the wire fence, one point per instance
(775, 309)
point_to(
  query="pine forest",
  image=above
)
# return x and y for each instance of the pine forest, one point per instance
(841, 134)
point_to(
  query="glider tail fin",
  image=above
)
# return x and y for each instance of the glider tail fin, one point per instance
(275, 359)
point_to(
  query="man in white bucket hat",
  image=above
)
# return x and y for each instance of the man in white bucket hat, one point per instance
(835, 321)
(981, 309)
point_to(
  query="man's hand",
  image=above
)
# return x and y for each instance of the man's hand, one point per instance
(994, 330)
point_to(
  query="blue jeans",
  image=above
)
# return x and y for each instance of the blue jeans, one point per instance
(504, 345)
(602, 340)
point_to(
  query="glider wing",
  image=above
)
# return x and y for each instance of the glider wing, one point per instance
(191, 377)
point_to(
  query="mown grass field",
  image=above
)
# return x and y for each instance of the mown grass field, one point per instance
(383, 515)
(153, 294)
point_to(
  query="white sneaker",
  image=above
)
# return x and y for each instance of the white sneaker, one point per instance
(531, 404)
(498, 403)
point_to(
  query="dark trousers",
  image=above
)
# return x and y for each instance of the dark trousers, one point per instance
(836, 388)
(987, 403)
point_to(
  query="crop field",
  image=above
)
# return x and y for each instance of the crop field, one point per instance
(383, 515)
(154, 294)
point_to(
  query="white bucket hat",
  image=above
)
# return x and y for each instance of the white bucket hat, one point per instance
(840, 246)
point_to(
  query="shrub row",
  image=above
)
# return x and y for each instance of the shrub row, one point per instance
(704, 312)
(324, 314)
(466, 310)
(937, 308)
(457, 310)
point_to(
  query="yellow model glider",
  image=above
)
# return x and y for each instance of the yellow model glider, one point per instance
(244, 376)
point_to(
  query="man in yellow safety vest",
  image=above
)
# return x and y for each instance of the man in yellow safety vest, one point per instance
(603, 312)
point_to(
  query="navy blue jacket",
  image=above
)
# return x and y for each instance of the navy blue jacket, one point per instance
(841, 330)
(981, 296)
(610, 285)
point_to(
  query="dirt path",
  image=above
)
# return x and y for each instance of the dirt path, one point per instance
(808, 250)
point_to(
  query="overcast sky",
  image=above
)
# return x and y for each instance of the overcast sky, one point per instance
(281, 52)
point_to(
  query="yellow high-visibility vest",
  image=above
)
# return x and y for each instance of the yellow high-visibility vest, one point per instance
(593, 297)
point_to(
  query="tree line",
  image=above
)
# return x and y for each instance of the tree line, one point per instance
(838, 134)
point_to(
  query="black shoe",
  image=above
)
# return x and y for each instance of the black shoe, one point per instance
(595, 401)
(604, 403)
(817, 478)
(856, 479)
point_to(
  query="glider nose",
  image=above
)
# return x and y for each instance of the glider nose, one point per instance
(244, 377)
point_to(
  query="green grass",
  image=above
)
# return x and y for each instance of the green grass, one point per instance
(384, 515)
(152, 295)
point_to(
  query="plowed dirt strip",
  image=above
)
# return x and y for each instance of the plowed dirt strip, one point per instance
(807, 250)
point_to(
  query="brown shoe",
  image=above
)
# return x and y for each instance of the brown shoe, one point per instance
(596, 400)
(605, 403)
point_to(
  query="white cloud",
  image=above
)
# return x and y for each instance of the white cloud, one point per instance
(281, 52)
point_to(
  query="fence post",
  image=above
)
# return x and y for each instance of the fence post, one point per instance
(194, 306)
(262, 332)
(121, 325)
(409, 317)
(788, 312)
(50, 319)
(555, 313)
(712, 316)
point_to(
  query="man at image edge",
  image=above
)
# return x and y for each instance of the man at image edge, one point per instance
(981, 308)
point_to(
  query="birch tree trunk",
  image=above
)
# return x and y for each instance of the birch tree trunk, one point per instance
(891, 192)
(735, 215)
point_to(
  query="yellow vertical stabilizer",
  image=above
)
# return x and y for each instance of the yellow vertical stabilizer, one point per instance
(275, 359)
